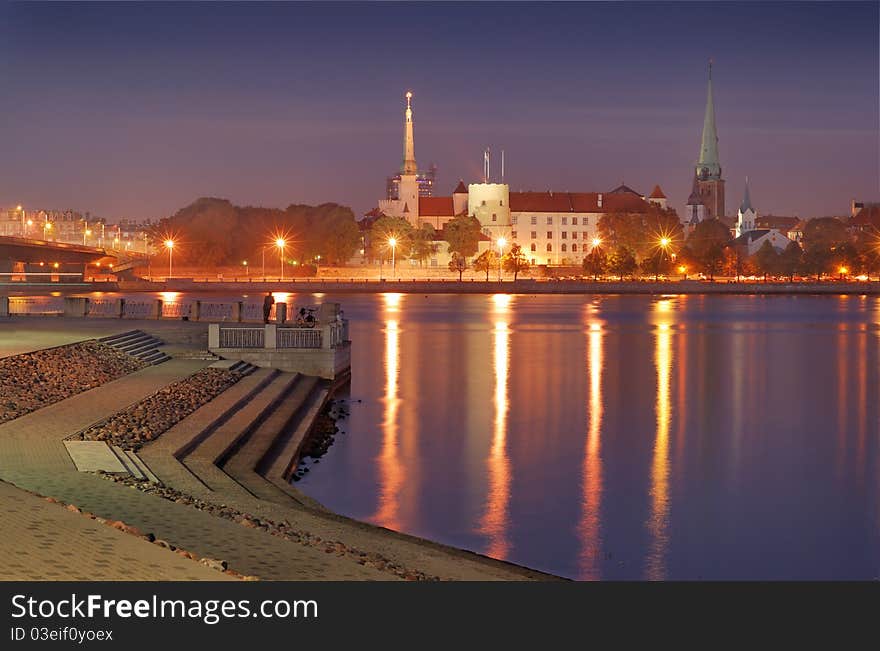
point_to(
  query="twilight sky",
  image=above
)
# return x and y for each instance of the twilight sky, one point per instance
(131, 110)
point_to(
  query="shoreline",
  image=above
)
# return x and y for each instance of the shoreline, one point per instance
(421, 286)
(329, 545)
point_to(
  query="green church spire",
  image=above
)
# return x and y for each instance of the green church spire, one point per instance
(708, 166)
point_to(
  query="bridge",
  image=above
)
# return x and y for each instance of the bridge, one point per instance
(26, 260)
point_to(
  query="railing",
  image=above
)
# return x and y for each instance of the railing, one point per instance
(242, 337)
(338, 333)
(298, 338)
(36, 306)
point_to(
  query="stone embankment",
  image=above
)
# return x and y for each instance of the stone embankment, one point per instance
(149, 418)
(283, 529)
(30, 381)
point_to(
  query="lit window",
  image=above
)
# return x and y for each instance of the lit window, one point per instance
(534, 247)
(549, 247)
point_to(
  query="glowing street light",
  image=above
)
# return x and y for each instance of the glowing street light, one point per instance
(169, 244)
(665, 242)
(247, 270)
(280, 243)
(843, 271)
(501, 243)
(683, 270)
(392, 242)
(597, 241)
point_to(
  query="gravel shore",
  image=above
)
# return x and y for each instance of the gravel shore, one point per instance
(34, 380)
(150, 418)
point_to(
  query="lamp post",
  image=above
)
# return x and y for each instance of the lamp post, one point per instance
(264, 263)
(392, 242)
(280, 244)
(247, 269)
(169, 244)
(501, 242)
(18, 208)
(47, 227)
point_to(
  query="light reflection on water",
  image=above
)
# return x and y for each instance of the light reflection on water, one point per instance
(618, 437)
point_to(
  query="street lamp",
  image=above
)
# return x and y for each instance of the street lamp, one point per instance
(596, 242)
(169, 244)
(47, 226)
(392, 242)
(247, 270)
(683, 271)
(18, 208)
(501, 242)
(280, 244)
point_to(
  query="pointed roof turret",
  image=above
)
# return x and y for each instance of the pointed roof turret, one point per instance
(657, 193)
(695, 199)
(708, 166)
(409, 156)
(746, 204)
(460, 188)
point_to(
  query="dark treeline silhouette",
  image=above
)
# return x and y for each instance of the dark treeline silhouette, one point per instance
(214, 232)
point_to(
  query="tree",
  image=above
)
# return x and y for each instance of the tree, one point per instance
(382, 231)
(515, 261)
(596, 263)
(657, 263)
(639, 231)
(486, 261)
(767, 260)
(791, 260)
(622, 262)
(463, 235)
(459, 264)
(707, 242)
(421, 243)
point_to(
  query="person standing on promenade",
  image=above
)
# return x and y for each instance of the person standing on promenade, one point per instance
(268, 302)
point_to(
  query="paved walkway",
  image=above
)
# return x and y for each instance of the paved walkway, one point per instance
(46, 542)
(33, 456)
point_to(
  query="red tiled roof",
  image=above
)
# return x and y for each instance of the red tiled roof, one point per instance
(867, 216)
(777, 222)
(575, 202)
(436, 207)
(657, 193)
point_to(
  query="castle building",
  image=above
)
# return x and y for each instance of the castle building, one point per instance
(553, 228)
(709, 184)
(750, 237)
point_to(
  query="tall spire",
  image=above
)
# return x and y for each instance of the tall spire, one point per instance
(409, 157)
(747, 200)
(708, 166)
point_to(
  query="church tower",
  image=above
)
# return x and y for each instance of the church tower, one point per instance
(746, 215)
(708, 168)
(696, 209)
(408, 190)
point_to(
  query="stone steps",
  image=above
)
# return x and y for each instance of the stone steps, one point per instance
(137, 344)
(241, 462)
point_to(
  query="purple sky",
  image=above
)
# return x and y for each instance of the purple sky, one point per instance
(136, 110)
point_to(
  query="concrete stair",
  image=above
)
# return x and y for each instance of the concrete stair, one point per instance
(137, 344)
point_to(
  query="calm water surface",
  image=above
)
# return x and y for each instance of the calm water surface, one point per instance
(618, 437)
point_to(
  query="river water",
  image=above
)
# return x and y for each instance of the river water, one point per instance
(617, 437)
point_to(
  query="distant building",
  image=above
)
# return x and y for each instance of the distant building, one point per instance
(855, 206)
(553, 228)
(425, 180)
(709, 180)
(749, 238)
(866, 219)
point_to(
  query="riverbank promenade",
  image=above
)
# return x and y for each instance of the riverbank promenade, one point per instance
(222, 523)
